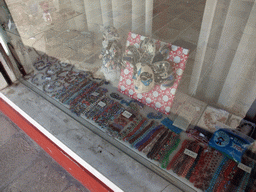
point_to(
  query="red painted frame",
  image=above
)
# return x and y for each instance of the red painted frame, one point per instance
(67, 162)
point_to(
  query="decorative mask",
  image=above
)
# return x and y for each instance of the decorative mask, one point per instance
(143, 78)
(150, 66)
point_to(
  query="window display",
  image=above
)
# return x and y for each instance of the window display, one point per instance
(153, 71)
(149, 76)
(151, 134)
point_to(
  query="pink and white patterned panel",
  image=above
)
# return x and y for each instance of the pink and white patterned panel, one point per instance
(159, 98)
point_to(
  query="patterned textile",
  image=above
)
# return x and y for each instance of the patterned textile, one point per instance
(160, 97)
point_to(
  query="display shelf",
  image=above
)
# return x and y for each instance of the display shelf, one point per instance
(65, 96)
(152, 165)
(41, 78)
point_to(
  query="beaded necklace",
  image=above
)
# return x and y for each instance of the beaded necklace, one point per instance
(95, 118)
(251, 186)
(151, 138)
(136, 130)
(195, 163)
(88, 100)
(119, 123)
(217, 173)
(43, 62)
(41, 65)
(65, 89)
(69, 76)
(181, 163)
(168, 147)
(164, 160)
(70, 90)
(205, 168)
(187, 164)
(158, 144)
(77, 97)
(226, 175)
(175, 159)
(73, 94)
(131, 127)
(53, 69)
(53, 86)
(77, 77)
(147, 137)
(148, 148)
(94, 103)
(139, 136)
(241, 178)
(98, 109)
(40, 79)
(156, 150)
(150, 142)
(109, 114)
(141, 139)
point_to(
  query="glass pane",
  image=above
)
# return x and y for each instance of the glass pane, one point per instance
(144, 72)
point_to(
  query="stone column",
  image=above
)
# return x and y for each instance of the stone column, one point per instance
(106, 8)
(227, 48)
(149, 17)
(138, 16)
(244, 60)
(79, 22)
(117, 11)
(206, 27)
(93, 14)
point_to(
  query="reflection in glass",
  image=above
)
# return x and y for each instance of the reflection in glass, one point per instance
(226, 55)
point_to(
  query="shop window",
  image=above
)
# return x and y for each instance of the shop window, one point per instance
(146, 73)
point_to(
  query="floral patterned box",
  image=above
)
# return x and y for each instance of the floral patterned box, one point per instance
(211, 116)
(160, 96)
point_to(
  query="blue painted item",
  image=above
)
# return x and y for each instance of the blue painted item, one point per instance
(157, 115)
(231, 143)
(169, 124)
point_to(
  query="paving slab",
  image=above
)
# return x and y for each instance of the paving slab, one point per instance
(40, 177)
(16, 156)
(74, 188)
(25, 167)
(7, 129)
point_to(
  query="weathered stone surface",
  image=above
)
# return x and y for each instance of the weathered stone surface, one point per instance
(24, 166)
(7, 129)
(16, 156)
(74, 188)
(41, 177)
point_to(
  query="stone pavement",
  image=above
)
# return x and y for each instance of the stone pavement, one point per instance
(25, 167)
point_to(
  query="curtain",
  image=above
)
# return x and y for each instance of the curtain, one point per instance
(225, 63)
